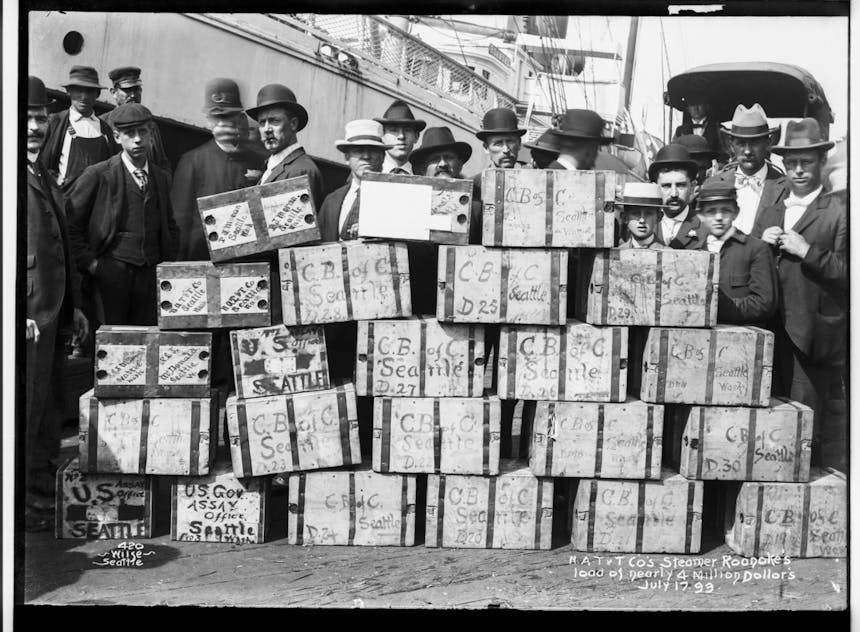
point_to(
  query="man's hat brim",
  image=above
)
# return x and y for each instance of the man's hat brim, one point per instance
(728, 132)
(418, 124)
(684, 165)
(419, 155)
(784, 149)
(343, 145)
(645, 204)
(80, 83)
(482, 134)
(127, 83)
(222, 110)
(604, 140)
(291, 106)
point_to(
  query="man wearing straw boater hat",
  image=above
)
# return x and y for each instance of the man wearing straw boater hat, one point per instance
(502, 138)
(77, 138)
(808, 231)
(759, 185)
(280, 117)
(578, 136)
(53, 300)
(641, 210)
(400, 129)
(675, 173)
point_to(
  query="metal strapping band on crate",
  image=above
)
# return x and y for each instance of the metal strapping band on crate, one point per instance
(658, 287)
(804, 525)
(503, 283)
(194, 464)
(599, 220)
(700, 447)
(440, 510)
(368, 366)
(93, 436)
(562, 360)
(213, 297)
(404, 508)
(351, 537)
(294, 276)
(691, 497)
(511, 339)
(300, 514)
(499, 198)
(615, 375)
(550, 421)
(550, 209)
(798, 444)
(343, 415)
(709, 290)
(485, 460)
(174, 507)
(144, 435)
(395, 278)
(385, 452)
(605, 257)
(598, 452)
(470, 366)
(759, 504)
(751, 437)
(293, 432)
(237, 363)
(592, 514)
(662, 365)
(347, 293)
(491, 510)
(152, 354)
(538, 512)
(756, 393)
(242, 418)
(437, 436)
(555, 287)
(712, 361)
(649, 440)
(422, 357)
(640, 515)
(450, 273)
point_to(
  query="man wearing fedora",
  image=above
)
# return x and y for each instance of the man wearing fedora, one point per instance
(674, 172)
(77, 138)
(808, 231)
(121, 223)
(53, 301)
(578, 136)
(543, 150)
(400, 129)
(128, 88)
(221, 164)
(699, 123)
(280, 117)
(641, 210)
(759, 184)
(701, 154)
(748, 284)
(502, 138)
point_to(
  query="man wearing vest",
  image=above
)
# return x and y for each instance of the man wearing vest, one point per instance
(675, 173)
(121, 223)
(53, 300)
(808, 232)
(77, 138)
(400, 129)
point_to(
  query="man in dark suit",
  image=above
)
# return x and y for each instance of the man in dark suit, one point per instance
(809, 232)
(224, 163)
(748, 283)
(543, 150)
(280, 117)
(53, 300)
(401, 130)
(578, 137)
(121, 223)
(675, 173)
(77, 138)
(699, 123)
(759, 184)
(502, 138)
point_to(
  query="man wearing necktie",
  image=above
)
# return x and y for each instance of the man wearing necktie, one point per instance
(808, 231)
(674, 172)
(759, 185)
(698, 122)
(400, 129)
(53, 301)
(121, 223)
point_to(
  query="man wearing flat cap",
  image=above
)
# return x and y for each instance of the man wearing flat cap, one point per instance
(121, 223)
(222, 164)
(502, 138)
(808, 232)
(280, 117)
(53, 301)
(675, 173)
(758, 183)
(578, 137)
(77, 138)
(400, 129)
(128, 88)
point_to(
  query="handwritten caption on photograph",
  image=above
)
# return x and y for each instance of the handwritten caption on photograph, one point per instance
(124, 554)
(701, 575)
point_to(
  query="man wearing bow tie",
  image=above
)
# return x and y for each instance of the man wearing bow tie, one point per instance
(759, 185)
(808, 231)
(700, 123)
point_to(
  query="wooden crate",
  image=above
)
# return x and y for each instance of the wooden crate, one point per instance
(419, 357)
(577, 362)
(548, 208)
(156, 435)
(726, 366)
(352, 507)
(628, 286)
(102, 506)
(662, 516)
(290, 433)
(258, 219)
(344, 281)
(502, 285)
(433, 435)
(220, 507)
(791, 519)
(415, 208)
(747, 444)
(510, 511)
(199, 294)
(279, 360)
(145, 362)
(592, 440)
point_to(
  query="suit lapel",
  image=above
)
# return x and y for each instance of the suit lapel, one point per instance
(282, 166)
(810, 214)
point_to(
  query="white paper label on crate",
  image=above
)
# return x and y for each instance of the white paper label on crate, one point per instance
(244, 295)
(182, 364)
(395, 210)
(124, 364)
(186, 296)
(228, 226)
(286, 213)
(446, 208)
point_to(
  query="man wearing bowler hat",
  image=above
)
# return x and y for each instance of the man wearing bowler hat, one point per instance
(400, 129)
(578, 136)
(759, 185)
(221, 164)
(543, 150)
(128, 88)
(77, 138)
(53, 301)
(121, 223)
(808, 232)
(675, 173)
(502, 137)
(701, 154)
(280, 117)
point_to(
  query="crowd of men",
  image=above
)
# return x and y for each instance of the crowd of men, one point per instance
(103, 209)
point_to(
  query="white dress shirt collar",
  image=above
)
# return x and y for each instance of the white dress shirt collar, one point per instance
(275, 159)
(130, 165)
(759, 175)
(348, 199)
(635, 243)
(389, 165)
(566, 162)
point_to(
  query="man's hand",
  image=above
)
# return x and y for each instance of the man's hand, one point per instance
(32, 330)
(80, 326)
(94, 264)
(792, 243)
(771, 235)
